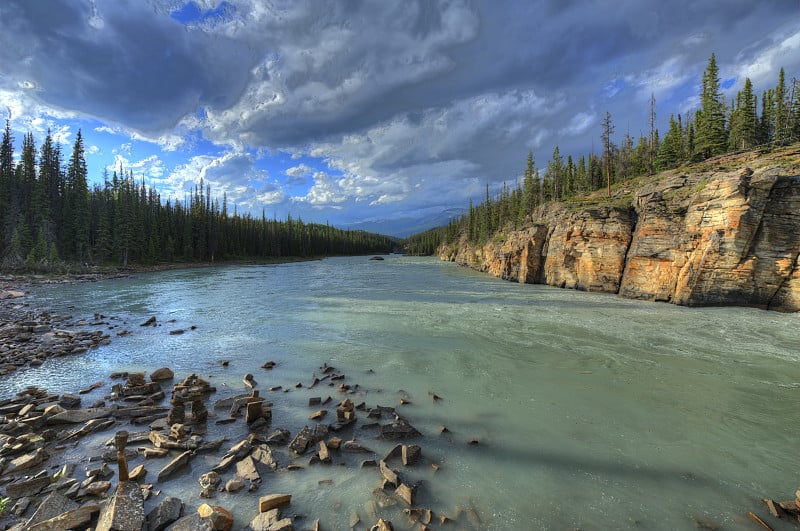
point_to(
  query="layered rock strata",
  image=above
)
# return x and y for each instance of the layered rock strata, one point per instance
(711, 237)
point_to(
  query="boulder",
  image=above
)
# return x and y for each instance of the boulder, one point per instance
(264, 521)
(263, 454)
(246, 469)
(411, 454)
(382, 525)
(164, 373)
(234, 485)
(220, 518)
(73, 519)
(165, 513)
(400, 428)
(125, 510)
(406, 493)
(191, 522)
(176, 464)
(273, 501)
(52, 506)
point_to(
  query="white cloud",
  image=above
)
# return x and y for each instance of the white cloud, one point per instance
(579, 124)
(326, 192)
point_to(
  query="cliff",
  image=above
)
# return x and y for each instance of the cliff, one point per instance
(724, 232)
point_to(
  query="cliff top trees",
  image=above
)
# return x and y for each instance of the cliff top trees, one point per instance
(710, 119)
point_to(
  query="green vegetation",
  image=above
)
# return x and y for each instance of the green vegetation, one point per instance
(714, 129)
(50, 220)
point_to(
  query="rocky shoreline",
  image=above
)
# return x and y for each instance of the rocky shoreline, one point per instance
(163, 424)
(167, 434)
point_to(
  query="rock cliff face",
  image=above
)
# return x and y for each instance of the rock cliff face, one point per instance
(727, 233)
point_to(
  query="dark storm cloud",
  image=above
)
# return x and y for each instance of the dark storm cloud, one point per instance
(119, 62)
(417, 103)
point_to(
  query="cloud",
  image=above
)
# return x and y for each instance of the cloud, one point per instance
(394, 108)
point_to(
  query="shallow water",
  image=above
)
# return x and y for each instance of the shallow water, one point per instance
(592, 411)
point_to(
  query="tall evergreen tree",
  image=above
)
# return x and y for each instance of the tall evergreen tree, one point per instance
(608, 148)
(710, 121)
(744, 121)
(77, 215)
(781, 109)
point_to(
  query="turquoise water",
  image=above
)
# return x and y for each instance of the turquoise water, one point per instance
(591, 411)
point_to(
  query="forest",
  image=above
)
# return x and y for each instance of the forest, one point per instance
(51, 220)
(716, 128)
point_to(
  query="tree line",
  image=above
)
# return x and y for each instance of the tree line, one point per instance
(51, 218)
(717, 127)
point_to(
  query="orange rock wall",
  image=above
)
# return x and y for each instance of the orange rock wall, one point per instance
(712, 238)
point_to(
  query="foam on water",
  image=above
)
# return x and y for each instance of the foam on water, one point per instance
(591, 411)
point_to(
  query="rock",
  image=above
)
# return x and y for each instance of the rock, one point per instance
(273, 501)
(302, 441)
(25, 488)
(25, 462)
(400, 428)
(209, 480)
(73, 519)
(220, 518)
(264, 521)
(162, 374)
(246, 469)
(234, 485)
(268, 365)
(52, 506)
(355, 447)
(263, 454)
(284, 524)
(69, 401)
(406, 493)
(318, 415)
(79, 416)
(382, 525)
(96, 488)
(324, 455)
(173, 466)
(166, 512)
(149, 322)
(237, 452)
(411, 454)
(191, 522)
(125, 510)
(389, 474)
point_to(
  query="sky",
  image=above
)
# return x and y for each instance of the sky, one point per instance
(379, 115)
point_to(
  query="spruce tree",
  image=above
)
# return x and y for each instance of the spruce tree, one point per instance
(781, 118)
(710, 121)
(77, 215)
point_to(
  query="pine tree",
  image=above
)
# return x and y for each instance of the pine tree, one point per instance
(744, 122)
(652, 138)
(669, 151)
(530, 186)
(781, 118)
(77, 215)
(608, 148)
(710, 121)
(6, 182)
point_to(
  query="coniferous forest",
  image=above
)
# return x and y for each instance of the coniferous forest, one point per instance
(51, 219)
(716, 128)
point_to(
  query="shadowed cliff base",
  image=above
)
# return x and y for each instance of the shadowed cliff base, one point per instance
(722, 232)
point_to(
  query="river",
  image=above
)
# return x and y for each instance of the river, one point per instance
(589, 410)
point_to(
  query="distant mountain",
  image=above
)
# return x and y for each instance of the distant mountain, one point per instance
(403, 227)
